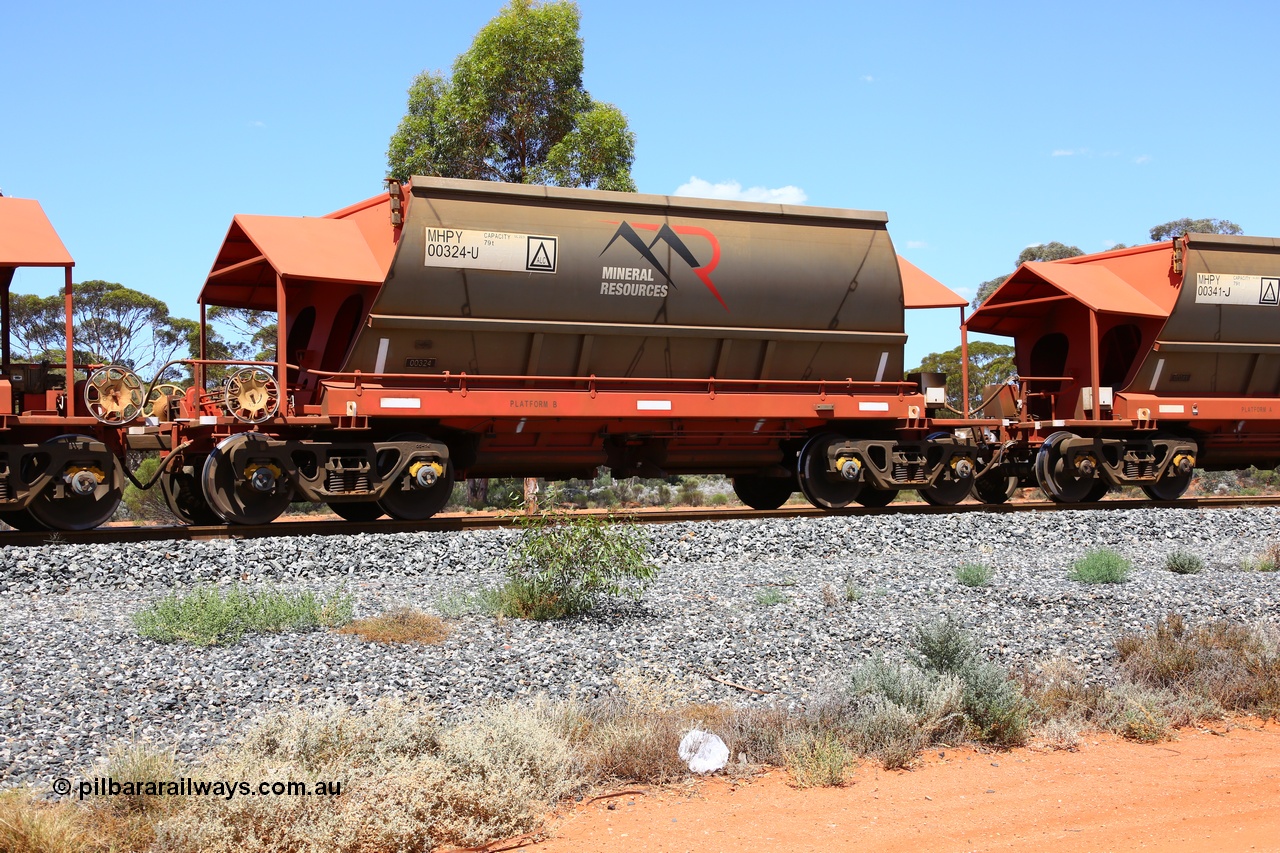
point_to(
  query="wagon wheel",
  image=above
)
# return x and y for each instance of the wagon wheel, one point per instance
(1099, 491)
(21, 519)
(1057, 481)
(1173, 484)
(160, 400)
(253, 395)
(409, 499)
(113, 395)
(995, 487)
(359, 511)
(255, 495)
(823, 488)
(950, 488)
(181, 490)
(946, 492)
(763, 492)
(872, 497)
(87, 495)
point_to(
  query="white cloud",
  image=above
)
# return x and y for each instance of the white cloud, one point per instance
(1107, 244)
(1063, 152)
(256, 123)
(734, 191)
(867, 78)
(917, 244)
(1145, 158)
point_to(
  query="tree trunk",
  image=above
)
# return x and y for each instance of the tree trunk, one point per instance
(478, 492)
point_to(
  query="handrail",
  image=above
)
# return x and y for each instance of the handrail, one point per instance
(711, 383)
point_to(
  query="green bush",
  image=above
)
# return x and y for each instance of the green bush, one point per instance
(994, 708)
(899, 709)
(147, 505)
(974, 574)
(690, 493)
(563, 565)
(770, 596)
(207, 616)
(944, 646)
(1101, 566)
(1184, 563)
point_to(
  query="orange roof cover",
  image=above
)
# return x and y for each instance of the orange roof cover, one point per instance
(323, 249)
(1097, 287)
(1134, 282)
(27, 239)
(921, 290)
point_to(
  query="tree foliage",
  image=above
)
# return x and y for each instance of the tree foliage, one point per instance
(248, 334)
(112, 325)
(1054, 251)
(515, 110)
(1178, 227)
(989, 364)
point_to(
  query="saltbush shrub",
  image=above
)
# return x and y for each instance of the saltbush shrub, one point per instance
(1101, 565)
(1184, 563)
(974, 574)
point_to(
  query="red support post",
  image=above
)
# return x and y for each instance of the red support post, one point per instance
(1093, 364)
(282, 358)
(964, 362)
(198, 373)
(71, 353)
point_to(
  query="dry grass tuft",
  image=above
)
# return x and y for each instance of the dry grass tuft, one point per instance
(407, 783)
(1060, 690)
(819, 759)
(30, 825)
(1234, 666)
(403, 625)
(1060, 733)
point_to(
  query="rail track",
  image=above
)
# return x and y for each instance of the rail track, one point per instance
(333, 526)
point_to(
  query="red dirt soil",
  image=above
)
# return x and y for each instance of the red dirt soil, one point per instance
(1214, 789)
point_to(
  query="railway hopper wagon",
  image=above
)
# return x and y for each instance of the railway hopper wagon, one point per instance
(1135, 367)
(60, 447)
(458, 328)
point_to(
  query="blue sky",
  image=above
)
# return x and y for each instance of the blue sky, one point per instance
(981, 128)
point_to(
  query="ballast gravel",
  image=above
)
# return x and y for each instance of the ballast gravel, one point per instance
(76, 679)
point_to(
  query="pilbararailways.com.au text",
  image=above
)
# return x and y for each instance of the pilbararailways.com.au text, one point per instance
(188, 787)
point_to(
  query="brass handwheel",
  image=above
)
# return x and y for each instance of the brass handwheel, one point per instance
(113, 395)
(253, 395)
(159, 401)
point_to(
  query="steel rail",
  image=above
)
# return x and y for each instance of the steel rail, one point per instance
(332, 526)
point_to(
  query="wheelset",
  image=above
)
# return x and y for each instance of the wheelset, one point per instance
(1061, 481)
(763, 492)
(423, 490)
(823, 488)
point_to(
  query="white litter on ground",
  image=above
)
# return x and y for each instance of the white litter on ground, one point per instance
(705, 752)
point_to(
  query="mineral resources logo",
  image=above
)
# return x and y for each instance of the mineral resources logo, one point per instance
(639, 281)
